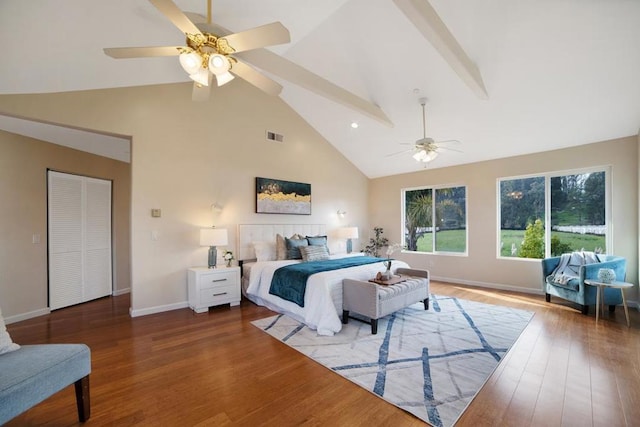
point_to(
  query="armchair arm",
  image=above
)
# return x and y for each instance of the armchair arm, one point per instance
(590, 271)
(548, 265)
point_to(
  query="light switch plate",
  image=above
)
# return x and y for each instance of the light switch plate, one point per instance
(156, 213)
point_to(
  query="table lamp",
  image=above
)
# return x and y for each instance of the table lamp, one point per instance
(213, 237)
(349, 233)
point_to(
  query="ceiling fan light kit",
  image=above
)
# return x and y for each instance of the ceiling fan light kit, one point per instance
(425, 156)
(206, 55)
(426, 149)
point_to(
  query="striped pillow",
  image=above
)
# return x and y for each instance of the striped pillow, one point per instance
(314, 253)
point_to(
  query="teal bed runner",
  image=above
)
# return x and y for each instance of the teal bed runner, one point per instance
(290, 282)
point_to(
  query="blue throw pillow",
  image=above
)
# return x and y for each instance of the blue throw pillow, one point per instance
(317, 240)
(293, 247)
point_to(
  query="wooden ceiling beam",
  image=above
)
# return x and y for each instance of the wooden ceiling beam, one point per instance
(428, 22)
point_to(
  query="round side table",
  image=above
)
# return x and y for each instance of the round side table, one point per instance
(618, 285)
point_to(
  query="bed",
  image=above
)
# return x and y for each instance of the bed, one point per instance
(323, 297)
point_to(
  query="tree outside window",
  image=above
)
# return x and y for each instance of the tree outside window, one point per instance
(577, 214)
(445, 207)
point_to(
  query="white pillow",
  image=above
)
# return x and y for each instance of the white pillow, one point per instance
(6, 345)
(265, 251)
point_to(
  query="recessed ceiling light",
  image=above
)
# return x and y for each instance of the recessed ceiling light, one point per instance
(354, 125)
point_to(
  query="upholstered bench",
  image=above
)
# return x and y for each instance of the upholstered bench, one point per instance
(32, 373)
(375, 301)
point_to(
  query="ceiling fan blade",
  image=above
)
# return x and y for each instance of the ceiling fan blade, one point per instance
(449, 149)
(175, 15)
(399, 152)
(265, 35)
(141, 52)
(448, 141)
(256, 78)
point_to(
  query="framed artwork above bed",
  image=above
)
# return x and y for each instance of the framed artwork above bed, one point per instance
(275, 196)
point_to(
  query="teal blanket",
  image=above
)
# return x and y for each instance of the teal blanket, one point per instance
(290, 282)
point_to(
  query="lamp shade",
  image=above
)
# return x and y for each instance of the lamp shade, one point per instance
(191, 62)
(213, 237)
(219, 64)
(223, 79)
(201, 77)
(349, 232)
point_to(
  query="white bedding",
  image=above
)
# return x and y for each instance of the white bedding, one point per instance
(323, 297)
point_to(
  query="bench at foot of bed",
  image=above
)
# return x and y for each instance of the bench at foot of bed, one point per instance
(376, 301)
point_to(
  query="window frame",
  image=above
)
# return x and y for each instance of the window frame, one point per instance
(607, 169)
(434, 188)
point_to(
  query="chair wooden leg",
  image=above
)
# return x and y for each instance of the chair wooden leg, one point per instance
(345, 317)
(426, 303)
(374, 326)
(82, 399)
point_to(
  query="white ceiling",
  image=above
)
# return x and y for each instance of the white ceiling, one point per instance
(558, 73)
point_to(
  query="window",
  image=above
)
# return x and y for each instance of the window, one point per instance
(574, 220)
(445, 207)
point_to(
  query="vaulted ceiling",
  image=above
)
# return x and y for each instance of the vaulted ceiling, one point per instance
(555, 73)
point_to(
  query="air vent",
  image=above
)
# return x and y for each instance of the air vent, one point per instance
(276, 137)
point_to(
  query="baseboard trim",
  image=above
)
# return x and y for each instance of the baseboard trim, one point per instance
(25, 316)
(488, 285)
(117, 292)
(501, 287)
(157, 309)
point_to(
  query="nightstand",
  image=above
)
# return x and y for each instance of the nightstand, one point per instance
(213, 286)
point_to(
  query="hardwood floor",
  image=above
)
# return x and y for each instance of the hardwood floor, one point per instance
(178, 368)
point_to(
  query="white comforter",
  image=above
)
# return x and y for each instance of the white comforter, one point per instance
(323, 297)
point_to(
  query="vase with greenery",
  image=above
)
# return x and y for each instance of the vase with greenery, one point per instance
(376, 243)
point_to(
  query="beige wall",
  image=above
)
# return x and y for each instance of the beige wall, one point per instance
(23, 213)
(482, 266)
(187, 156)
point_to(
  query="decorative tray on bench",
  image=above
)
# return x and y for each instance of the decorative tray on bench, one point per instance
(394, 279)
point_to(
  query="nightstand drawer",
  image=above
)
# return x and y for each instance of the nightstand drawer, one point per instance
(217, 279)
(219, 295)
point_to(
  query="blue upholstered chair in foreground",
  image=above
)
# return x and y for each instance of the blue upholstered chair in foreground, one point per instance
(32, 373)
(576, 291)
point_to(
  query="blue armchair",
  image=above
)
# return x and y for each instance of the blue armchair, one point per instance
(576, 291)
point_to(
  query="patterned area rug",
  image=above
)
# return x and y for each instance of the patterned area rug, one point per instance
(430, 363)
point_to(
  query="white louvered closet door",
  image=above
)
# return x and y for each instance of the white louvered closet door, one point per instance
(79, 239)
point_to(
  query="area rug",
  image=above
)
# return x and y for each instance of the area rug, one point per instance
(430, 363)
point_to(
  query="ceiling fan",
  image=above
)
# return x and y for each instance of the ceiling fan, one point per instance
(426, 149)
(207, 55)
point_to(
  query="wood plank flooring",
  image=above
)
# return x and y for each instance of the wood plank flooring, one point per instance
(179, 368)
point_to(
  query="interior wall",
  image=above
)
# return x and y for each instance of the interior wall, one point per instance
(23, 213)
(187, 156)
(482, 266)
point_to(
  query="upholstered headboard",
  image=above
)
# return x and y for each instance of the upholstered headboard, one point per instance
(248, 233)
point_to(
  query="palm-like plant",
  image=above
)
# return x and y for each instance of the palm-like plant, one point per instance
(419, 214)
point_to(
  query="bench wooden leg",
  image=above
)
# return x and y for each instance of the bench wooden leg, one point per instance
(426, 303)
(345, 317)
(82, 399)
(374, 326)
